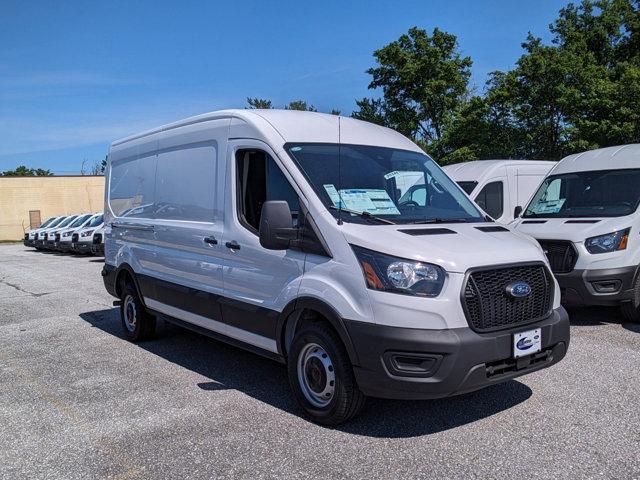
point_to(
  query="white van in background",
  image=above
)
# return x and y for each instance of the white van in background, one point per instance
(41, 235)
(97, 242)
(63, 237)
(585, 216)
(82, 240)
(499, 187)
(30, 236)
(287, 233)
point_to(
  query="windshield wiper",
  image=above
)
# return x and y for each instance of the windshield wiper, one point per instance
(441, 220)
(365, 215)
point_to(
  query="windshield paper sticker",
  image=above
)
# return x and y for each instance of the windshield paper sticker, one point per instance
(548, 206)
(333, 195)
(376, 202)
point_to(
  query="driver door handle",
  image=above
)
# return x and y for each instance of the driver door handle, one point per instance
(233, 245)
(210, 240)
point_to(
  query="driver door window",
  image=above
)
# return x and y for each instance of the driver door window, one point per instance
(258, 180)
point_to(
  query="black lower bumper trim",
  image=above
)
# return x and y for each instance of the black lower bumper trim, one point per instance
(463, 360)
(606, 287)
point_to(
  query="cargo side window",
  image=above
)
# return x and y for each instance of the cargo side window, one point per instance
(258, 179)
(491, 199)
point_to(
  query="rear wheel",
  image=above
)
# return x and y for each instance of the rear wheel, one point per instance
(137, 323)
(321, 376)
(631, 310)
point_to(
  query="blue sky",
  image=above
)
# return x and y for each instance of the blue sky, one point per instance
(76, 75)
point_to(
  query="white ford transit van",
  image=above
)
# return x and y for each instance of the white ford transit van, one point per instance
(82, 239)
(30, 236)
(500, 187)
(284, 232)
(585, 216)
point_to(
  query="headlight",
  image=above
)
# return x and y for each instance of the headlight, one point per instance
(87, 233)
(609, 242)
(392, 274)
(66, 234)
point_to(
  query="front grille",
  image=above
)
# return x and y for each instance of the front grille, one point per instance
(562, 255)
(46, 237)
(57, 237)
(97, 238)
(26, 236)
(74, 238)
(36, 237)
(489, 307)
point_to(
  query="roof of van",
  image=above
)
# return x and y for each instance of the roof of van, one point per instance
(610, 158)
(297, 126)
(477, 169)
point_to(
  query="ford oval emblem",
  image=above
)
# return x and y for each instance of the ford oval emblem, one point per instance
(518, 289)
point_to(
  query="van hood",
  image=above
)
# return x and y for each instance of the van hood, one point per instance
(456, 247)
(573, 229)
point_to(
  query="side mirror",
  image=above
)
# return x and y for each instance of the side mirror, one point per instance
(276, 231)
(517, 211)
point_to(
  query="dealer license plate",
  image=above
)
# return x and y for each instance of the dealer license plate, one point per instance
(526, 343)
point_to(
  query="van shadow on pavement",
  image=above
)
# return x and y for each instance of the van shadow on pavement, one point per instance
(265, 380)
(594, 316)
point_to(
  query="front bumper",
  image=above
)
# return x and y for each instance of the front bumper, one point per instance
(410, 363)
(607, 287)
(82, 247)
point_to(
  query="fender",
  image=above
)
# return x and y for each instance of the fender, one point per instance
(125, 267)
(296, 306)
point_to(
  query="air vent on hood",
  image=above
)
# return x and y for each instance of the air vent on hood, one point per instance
(534, 221)
(493, 228)
(582, 221)
(427, 231)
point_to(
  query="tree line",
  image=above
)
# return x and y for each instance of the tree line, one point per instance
(578, 92)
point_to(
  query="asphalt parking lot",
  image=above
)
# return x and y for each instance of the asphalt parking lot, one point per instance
(78, 401)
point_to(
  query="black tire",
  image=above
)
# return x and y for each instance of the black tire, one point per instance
(631, 310)
(346, 399)
(137, 323)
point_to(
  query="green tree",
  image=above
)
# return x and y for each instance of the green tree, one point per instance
(580, 92)
(300, 105)
(371, 110)
(23, 171)
(259, 103)
(424, 81)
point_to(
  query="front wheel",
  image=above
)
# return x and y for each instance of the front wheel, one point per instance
(631, 310)
(321, 376)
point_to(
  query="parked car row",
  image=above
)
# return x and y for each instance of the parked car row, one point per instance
(82, 234)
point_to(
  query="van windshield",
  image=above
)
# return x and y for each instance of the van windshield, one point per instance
(96, 221)
(56, 222)
(398, 186)
(66, 222)
(601, 193)
(46, 223)
(79, 221)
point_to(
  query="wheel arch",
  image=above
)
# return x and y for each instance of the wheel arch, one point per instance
(291, 315)
(126, 271)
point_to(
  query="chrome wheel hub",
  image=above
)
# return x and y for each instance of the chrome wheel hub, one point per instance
(316, 375)
(130, 313)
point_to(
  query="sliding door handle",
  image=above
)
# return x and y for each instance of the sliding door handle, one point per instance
(233, 245)
(210, 240)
